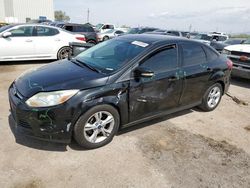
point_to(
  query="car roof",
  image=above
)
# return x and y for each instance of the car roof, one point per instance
(152, 38)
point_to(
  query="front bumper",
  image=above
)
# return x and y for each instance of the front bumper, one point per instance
(240, 68)
(51, 124)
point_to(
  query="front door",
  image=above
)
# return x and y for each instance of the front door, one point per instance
(20, 45)
(161, 92)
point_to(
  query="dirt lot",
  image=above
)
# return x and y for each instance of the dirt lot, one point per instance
(187, 149)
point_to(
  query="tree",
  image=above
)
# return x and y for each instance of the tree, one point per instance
(61, 16)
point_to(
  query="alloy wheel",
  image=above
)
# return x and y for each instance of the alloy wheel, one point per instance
(214, 97)
(99, 127)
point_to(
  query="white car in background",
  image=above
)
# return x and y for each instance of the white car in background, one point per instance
(101, 28)
(109, 35)
(35, 42)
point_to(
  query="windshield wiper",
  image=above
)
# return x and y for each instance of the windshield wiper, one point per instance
(81, 63)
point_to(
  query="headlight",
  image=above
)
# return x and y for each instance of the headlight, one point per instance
(46, 99)
(226, 52)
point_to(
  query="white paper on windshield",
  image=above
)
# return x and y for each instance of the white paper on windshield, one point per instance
(141, 44)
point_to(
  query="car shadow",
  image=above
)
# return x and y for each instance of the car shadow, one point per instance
(50, 146)
(157, 120)
(240, 82)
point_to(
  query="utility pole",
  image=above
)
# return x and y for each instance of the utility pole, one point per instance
(190, 27)
(88, 15)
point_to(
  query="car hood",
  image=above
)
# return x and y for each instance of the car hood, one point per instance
(60, 75)
(239, 48)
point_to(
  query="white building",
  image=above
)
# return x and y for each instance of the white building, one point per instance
(19, 11)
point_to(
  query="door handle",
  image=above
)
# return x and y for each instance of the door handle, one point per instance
(57, 39)
(173, 78)
(28, 40)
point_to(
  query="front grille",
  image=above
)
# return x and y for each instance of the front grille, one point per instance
(240, 53)
(24, 124)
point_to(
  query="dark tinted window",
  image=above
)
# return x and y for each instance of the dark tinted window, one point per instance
(25, 31)
(118, 32)
(79, 28)
(108, 27)
(193, 54)
(222, 38)
(163, 60)
(211, 55)
(46, 31)
(175, 33)
(68, 28)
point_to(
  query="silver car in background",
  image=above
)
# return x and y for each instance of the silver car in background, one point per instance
(109, 35)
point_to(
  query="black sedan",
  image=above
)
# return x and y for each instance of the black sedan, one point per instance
(116, 84)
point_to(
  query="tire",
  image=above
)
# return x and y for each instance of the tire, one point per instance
(90, 133)
(92, 42)
(105, 38)
(212, 97)
(64, 52)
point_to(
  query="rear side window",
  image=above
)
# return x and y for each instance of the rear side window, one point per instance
(79, 28)
(175, 33)
(193, 54)
(163, 60)
(46, 31)
(211, 55)
(68, 28)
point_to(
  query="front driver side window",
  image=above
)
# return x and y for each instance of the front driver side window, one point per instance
(25, 31)
(163, 60)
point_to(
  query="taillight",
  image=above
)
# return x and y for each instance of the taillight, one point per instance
(229, 64)
(81, 38)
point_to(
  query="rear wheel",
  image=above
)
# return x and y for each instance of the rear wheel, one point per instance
(97, 127)
(91, 42)
(64, 52)
(212, 97)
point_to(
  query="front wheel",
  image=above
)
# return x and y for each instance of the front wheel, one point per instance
(212, 98)
(97, 127)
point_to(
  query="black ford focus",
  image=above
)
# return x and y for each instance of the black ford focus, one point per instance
(116, 84)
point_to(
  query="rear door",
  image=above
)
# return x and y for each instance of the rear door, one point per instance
(149, 96)
(20, 45)
(195, 72)
(47, 41)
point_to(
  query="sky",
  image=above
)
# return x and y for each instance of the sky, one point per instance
(230, 16)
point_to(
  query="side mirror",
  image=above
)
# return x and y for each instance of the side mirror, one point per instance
(6, 34)
(141, 72)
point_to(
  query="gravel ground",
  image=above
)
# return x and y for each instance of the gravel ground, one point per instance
(187, 149)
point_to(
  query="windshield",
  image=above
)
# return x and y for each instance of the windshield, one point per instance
(5, 28)
(111, 55)
(98, 26)
(247, 41)
(203, 37)
(133, 31)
